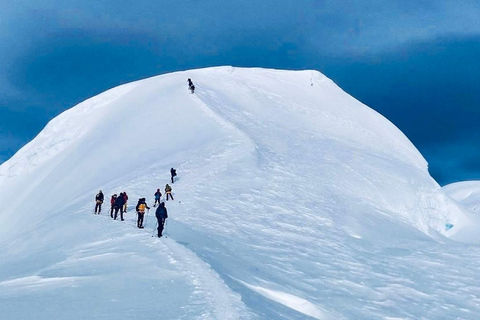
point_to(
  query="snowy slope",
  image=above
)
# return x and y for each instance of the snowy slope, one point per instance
(294, 200)
(466, 192)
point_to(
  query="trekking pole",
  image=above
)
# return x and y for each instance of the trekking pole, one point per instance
(154, 229)
(165, 228)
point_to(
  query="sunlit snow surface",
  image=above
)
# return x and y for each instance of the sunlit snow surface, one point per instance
(293, 201)
(466, 192)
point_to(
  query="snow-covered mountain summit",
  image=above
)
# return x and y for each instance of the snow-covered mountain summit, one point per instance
(293, 200)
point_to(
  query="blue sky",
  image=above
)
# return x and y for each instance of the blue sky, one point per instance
(416, 62)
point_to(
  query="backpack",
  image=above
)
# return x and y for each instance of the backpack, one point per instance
(141, 207)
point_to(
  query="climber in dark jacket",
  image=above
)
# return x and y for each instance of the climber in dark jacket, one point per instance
(125, 197)
(119, 202)
(141, 206)
(157, 195)
(112, 204)
(161, 215)
(98, 202)
(191, 86)
(173, 173)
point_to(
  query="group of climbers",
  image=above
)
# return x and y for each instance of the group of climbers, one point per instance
(119, 204)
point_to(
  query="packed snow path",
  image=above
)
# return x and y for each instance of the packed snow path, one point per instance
(293, 201)
(116, 272)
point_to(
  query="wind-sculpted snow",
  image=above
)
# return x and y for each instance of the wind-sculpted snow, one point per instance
(467, 192)
(293, 201)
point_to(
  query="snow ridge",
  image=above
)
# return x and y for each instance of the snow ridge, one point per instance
(293, 200)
